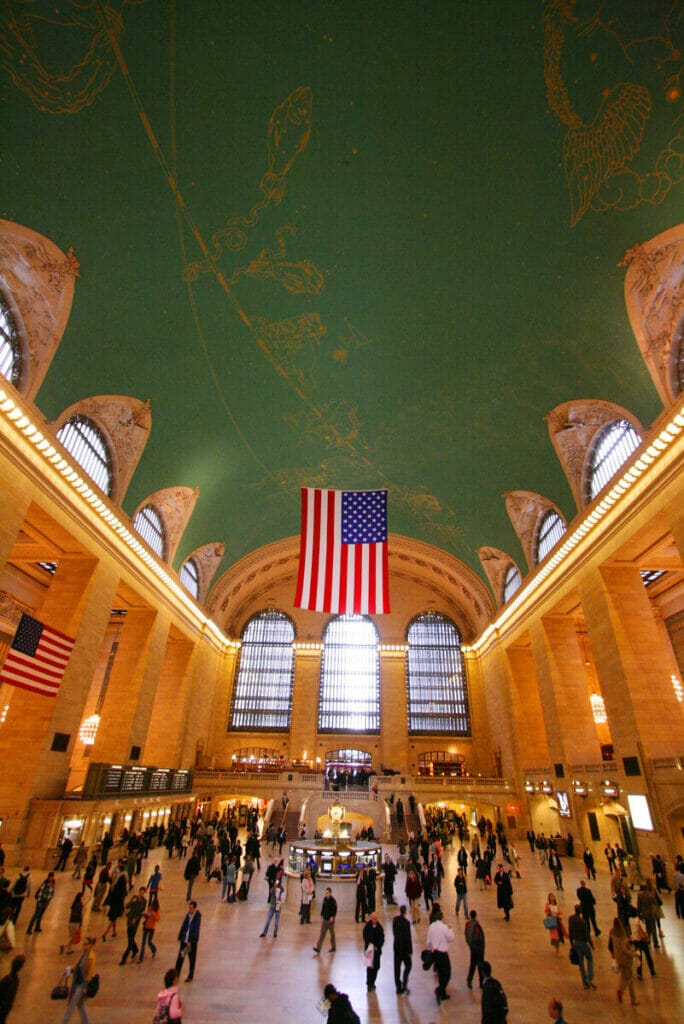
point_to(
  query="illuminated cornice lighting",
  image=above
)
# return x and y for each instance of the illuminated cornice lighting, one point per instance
(82, 488)
(598, 708)
(3, 714)
(677, 687)
(88, 730)
(655, 451)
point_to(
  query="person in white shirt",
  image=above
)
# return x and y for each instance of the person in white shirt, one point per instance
(439, 937)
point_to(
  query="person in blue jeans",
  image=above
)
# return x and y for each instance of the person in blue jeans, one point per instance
(275, 902)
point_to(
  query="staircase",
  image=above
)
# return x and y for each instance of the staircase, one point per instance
(409, 824)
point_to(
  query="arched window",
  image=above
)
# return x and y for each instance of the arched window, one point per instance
(436, 689)
(84, 440)
(551, 529)
(189, 577)
(262, 695)
(512, 581)
(150, 525)
(677, 361)
(10, 350)
(349, 696)
(612, 448)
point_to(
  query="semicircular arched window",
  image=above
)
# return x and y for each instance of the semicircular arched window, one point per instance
(84, 440)
(189, 577)
(612, 448)
(10, 349)
(349, 693)
(262, 694)
(512, 582)
(551, 529)
(436, 687)
(150, 526)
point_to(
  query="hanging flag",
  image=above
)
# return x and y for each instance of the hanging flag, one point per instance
(343, 552)
(37, 659)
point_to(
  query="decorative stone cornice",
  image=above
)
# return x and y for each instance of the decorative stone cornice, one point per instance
(126, 424)
(496, 564)
(573, 427)
(37, 281)
(207, 559)
(525, 508)
(175, 505)
(654, 295)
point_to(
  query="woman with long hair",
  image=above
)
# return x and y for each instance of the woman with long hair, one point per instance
(553, 912)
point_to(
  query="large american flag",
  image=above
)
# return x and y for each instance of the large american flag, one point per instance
(343, 552)
(37, 659)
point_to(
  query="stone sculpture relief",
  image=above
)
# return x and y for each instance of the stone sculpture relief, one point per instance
(525, 508)
(175, 505)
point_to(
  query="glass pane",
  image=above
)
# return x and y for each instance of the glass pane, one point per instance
(262, 697)
(437, 692)
(349, 698)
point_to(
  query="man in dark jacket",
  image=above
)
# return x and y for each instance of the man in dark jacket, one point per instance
(475, 937)
(340, 1010)
(44, 894)
(403, 948)
(504, 891)
(188, 936)
(578, 931)
(373, 939)
(192, 870)
(588, 905)
(494, 1002)
(328, 915)
(134, 911)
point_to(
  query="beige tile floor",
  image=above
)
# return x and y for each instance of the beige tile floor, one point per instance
(241, 977)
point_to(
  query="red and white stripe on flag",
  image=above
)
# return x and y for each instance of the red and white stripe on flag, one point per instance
(37, 659)
(343, 565)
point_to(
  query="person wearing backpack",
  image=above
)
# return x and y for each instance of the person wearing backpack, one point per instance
(494, 1002)
(82, 977)
(20, 890)
(169, 1007)
(475, 938)
(340, 1010)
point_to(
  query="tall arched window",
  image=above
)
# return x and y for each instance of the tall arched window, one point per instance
(84, 440)
(551, 529)
(612, 448)
(10, 350)
(150, 525)
(512, 581)
(262, 695)
(189, 577)
(436, 688)
(349, 696)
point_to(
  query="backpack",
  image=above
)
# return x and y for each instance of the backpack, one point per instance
(19, 887)
(93, 986)
(161, 1016)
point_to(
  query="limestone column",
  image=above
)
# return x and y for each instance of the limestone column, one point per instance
(78, 604)
(394, 737)
(304, 725)
(222, 740)
(15, 507)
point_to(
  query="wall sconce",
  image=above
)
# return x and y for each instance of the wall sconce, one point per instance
(579, 788)
(610, 790)
(529, 787)
(546, 787)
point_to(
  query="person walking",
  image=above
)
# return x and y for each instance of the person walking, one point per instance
(414, 891)
(74, 924)
(504, 891)
(553, 922)
(623, 953)
(439, 937)
(578, 931)
(642, 944)
(103, 880)
(588, 904)
(151, 918)
(116, 898)
(80, 860)
(403, 949)
(82, 974)
(275, 902)
(361, 908)
(154, 884)
(475, 940)
(494, 1002)
(192, 869)
(328, 915)
(188, 937)
(340, 1010)
(134, 912)
(9, 986)
(44, 894)
(307, 895)
(20, 891)
(169, 1004)
(373, 941)
(461, 886)
(556, 868)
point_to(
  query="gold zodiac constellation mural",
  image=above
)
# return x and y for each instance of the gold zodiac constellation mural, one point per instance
(609, 161)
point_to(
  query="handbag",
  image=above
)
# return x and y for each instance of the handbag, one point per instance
(574, 958)
(550, 922)
(93, 986)
(60, 991)
(428, 959)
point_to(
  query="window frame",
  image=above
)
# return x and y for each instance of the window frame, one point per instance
(512, 573)
(10, 345)
(193, 574)
(73, 436)
(547, 516)
(422, 670)
(625, 429)
(248, 708)
(154, 532)
(335, 706)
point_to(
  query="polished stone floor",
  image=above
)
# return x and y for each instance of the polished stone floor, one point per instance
(241, 977)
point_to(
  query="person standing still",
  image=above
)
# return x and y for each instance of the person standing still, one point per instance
(373, 941)
(188, 937)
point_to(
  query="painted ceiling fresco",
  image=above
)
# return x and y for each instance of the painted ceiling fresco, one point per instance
(349, 244)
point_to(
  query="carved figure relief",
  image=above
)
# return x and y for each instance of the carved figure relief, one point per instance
(525, 509)
(175, 505)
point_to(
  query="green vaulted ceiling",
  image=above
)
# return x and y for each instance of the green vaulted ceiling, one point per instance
(350, 244)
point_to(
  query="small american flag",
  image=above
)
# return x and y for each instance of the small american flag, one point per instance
(37, 659)
(343, 552)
